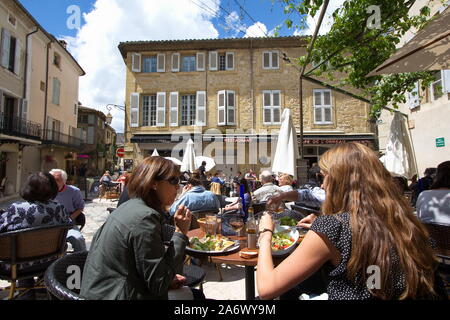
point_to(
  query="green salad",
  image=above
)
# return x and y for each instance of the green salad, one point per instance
(286, 221)
(281, 241)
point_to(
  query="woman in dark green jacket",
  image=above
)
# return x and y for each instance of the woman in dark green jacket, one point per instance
(127, 259)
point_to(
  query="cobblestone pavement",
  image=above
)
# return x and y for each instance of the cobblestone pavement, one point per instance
(232, 287)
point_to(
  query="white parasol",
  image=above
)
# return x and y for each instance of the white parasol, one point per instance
(286, 154)
(189, 158)
(210, 163)
(174, 160)
(155, 153)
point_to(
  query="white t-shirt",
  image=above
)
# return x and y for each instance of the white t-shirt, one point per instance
(433, 206)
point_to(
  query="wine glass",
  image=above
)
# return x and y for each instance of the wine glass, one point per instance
(237, 223)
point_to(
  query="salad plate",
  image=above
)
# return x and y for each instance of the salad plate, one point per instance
(212, 244)
(284, 240)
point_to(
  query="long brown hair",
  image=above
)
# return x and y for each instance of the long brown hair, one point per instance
(381, 220)
(150, 170)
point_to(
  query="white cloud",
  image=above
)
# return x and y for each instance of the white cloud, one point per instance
(114, 21)
(256, 30)
(234, 24)
(327, 22)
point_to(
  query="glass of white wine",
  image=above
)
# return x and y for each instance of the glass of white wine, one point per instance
(237, 223)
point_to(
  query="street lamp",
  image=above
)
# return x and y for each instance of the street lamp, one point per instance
(109, 108)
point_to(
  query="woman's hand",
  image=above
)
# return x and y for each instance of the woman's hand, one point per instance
(274, 201)
(182, 219)
(177, 282)
(306, 222)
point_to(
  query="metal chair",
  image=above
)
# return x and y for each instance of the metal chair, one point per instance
(57, 274)
(441, 236)
(38, 245)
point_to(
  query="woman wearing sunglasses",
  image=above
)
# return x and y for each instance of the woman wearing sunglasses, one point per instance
(368, 239)
(127, 258)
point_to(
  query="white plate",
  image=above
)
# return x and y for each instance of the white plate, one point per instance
(236, 245)
(293, 233)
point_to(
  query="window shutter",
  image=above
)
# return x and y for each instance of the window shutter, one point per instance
(75, 109)
(213, 60)
(17, 57)
(221, 113)
(275, 60)
(174, 109)
(56, 91)
(25, 109)
(200, 61)
(276, 106)
(6, 43)
(230, 61)
(231, 108)
(136, 62)
(160, 109)
(201, 108)
(413, 97)
(161, 62)
(266, 60)
(446, 79)
(134, 110)
(175, 62)
(1, 105)
(267, 107)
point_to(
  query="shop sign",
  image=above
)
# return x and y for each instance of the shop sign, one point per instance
(440, 142)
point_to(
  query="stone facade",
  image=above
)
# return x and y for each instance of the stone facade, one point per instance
(248, 80)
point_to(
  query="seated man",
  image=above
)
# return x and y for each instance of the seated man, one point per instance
(217, 179)
(72, 200)
(267, 189)
(195, 197)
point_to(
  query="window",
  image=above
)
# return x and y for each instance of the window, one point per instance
(149, 64)
(270, 60)
(226, 105)
(226, 61)
(188, 103)
(91, 119)
(10, 52)
(436, 86)
(149, 111)
(90, 135)
(12, 20)
(271, 107)
(57, 60)
(83, 118)
(322, 106)
(188, 63)
(56, 91)
(42, 86)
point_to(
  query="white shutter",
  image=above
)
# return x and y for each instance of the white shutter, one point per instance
(200, 61)
(221, 112)
(413, 97)
(175, 62)
(134, 110)
(161, 62)
(1, 107)
(229, 61)
(266, 60)
(174, 109)
(25, 109)
(6, 43)
(213, 60)
(275, 60)
(17, 57)
(446, 81)
(276, 106)
(136, 62)
(231, 108)
(267, 107)
(160, 109)
(200, 117)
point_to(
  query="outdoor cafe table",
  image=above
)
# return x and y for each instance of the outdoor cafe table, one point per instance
(233, 258)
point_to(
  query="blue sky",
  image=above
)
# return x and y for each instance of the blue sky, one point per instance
(52, 15)
(106, 23)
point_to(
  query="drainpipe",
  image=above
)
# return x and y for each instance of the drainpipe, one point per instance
(45, 100)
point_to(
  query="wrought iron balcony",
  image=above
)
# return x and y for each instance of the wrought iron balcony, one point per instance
(15, 126)
(61, 139)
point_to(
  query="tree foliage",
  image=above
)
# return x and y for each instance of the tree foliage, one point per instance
(353, 47)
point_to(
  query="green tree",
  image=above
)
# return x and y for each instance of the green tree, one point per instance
(354, 47)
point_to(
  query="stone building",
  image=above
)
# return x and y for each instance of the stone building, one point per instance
(38, 99)
(228, 95)
(98, 154)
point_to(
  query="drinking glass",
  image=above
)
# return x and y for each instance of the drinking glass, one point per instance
(237, 223)
(211, 223)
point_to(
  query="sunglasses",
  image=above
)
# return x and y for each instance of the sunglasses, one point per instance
(173, 180)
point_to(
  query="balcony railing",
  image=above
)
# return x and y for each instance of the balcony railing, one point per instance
(61, 139)
(19, 127)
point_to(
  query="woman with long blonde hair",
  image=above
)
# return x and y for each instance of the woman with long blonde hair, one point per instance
(367, 238)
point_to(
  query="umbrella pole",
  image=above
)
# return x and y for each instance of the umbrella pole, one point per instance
(301, 116)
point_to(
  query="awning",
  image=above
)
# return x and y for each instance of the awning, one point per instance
(428, 50)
